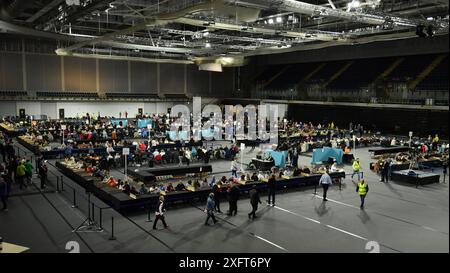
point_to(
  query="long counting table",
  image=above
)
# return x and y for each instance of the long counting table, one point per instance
(119, 200)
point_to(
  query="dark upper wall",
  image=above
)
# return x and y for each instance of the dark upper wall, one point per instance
(31, 65)
(395, 121)
(404, 47)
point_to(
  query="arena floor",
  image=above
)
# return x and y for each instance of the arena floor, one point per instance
(398, 217)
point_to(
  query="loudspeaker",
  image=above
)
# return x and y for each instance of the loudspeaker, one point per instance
(61, 114)
(141, 111)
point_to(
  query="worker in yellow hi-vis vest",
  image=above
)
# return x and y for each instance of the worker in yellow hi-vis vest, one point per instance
(362, 189)
(356, 168)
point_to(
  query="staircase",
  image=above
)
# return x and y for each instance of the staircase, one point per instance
(338, 73)
(267, 83)
(391, 68)
(314, 72)
(412, 85)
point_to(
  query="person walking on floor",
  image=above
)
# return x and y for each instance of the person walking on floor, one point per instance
(233, 197)
(21, 173)
(272, 186)
(385, 171)
(217, 190)
(43, 174)
(180, 157)
(325, 182)
(362, 189)
(160, 210)
(210, 205)
(28, 171)
(4, 194)
(234, 168)
(254, 201)
(188, 156)
(356, 168)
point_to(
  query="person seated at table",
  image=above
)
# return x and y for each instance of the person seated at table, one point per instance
(196, 184)
(180, 187)
(134, 191)
(170, 187)
(288, 172)
(254, 177)
(112, 182)
(126, 188)
(306, 170)
(243, 178)
(334, 167)
(98, 173)
(205, 183)
(224, 179)
(296, 172)
(347, 150)
(248, 177)
(143, 190)
(261, 176)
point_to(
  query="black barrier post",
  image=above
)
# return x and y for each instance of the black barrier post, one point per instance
(74, 199)
(57, 184)
(148, 215)
(62, 183)
(101, 218)
(340, 184)
(418, 181)
(112, 238)
(93, 211)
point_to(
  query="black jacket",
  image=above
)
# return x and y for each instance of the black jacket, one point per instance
(254, 197)
(272, 183)
(234, 193)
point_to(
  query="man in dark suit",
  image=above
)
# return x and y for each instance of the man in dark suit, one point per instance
(254, 201)
(233, 197)
(272, 185)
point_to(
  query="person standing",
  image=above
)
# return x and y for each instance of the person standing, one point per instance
(43, 174)
(362, 189)
(180, 158)
(160, 210)
(4, 194)
(325, 181)
(217, 190)
(188, 156)
(210, 205)
(385, 171)
(21, 173)
(29, 171)
(272, 186)
(356, 168)
(234, 168)
(233, 197)
(254, 201)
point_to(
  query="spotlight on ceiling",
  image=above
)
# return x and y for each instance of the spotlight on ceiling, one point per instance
(271, 21)
(208, 45)
(279, 20)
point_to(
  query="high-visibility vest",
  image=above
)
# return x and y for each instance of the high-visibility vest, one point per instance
(356, 166)
(362, 188)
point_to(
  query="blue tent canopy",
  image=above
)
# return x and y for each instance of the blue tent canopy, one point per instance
(117, 121)
(323, 154)
(279, 158)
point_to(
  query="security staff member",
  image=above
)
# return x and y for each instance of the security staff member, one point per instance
(362, 189)
(356, 168)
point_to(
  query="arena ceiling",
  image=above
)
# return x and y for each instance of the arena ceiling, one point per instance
(224, 31)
